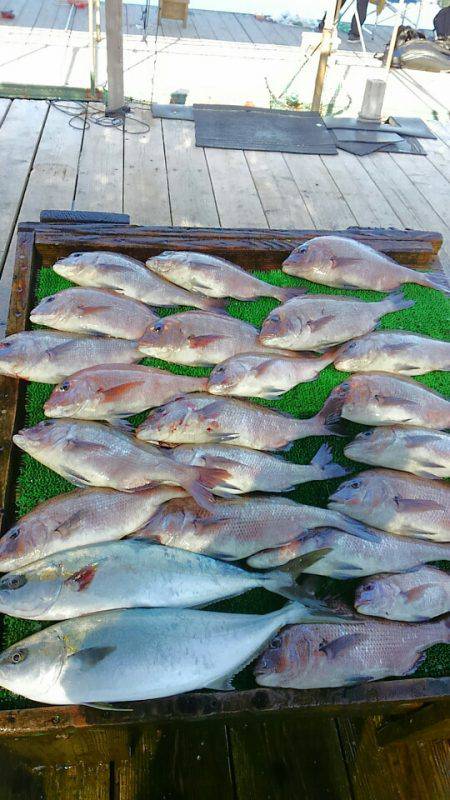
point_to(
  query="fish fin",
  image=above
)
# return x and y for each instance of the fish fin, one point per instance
(342, 261)
(83, 578)
(201, 484)
(396, 301)
(299, 564)
(437, 280)
(411, 440)
(354, 679)
(205, 340)
(416, 593)
(285, 293)
(324, 460)
(357, 528)
(77, 480)
(115, 392)
(417, 663)
(91, 656)
(412, 504)
(204, 525)
(106, 707)
(223, 684)
(431, 464)
(316, 324)
(329, 420)
(86, 310)
(337, 646)
(67, 527)
(408, 368)
(72, 443)
(122, 424)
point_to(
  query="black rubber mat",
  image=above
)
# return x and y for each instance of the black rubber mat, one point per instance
(375, 137)
(405, 126)
(241, 128)
(172, 111)
(408, 145)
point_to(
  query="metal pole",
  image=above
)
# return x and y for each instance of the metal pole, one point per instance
(327, 36)
(93, 48)
(398, 22)
(114, 57)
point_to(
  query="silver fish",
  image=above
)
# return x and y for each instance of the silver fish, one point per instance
(93, 454)
(400, 352)
(199, 338)
(129, 277)
(236, 529)
(214, 277)
(320, 321)
(138, 654)
(48, 356)
(414, 596)
(313, 657)
(261, 375)
(77, 519)
(113, 391)
(348, 264)
(418, 450)
(397, 502)
(351, 556)
(377, 398)
(82, 310)
(199, 418)
(132, 574)
(255, 471)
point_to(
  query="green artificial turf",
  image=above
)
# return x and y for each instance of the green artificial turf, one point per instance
(37, 483)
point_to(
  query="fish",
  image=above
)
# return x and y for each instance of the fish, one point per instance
(422, 451)
(130, 277)
(94, 454)
(200, 338)
(321, 321)
(351, 556)
(138, 653)
(256, 471)
(347, 264)
(91, 311)
(49, 356)
(396, 502)
(378, 398)
(414, 596)
(200, 418)
(400, 352)
(113, 391)
(78, 519)
(214, 277)
(238, 528)
(133, 573)
(313, 657)
(261, 375)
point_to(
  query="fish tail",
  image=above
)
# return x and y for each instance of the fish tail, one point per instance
(436, 279)
(330, 355)
(326, 467)
(329, 420)
(217, 304)
(204, 479)
(308, 610)
(284, 293)
(396, 301)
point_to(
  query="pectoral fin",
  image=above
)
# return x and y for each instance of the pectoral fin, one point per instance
(337, 646)
(341, 261)
(116, 392)
(205, 340)
(91, 656)
(416, 505)
(414, 440)
(394, 402)
(223, 684)
(106, 707)
(69, 525)
(85, 311)
(316, 324)
(415, 593)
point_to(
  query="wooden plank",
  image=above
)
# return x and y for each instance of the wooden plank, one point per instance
(114, 54)
(4, 107)
(89, 782)
(237, 199)
(429, 182)
(100, 174)
(429, 723)
(18, 783)
(146, 194)
(324, 200)
(281, 200)
(191, 194)
(412, 770)
(186, 762)
(19, 137)
(285, 760)
(89, 746)
(367, 203)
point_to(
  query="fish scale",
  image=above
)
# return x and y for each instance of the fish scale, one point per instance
(413, 596)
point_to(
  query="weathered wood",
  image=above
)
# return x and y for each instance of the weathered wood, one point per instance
(186, 762)
(428, 723)
(80, 782)
(100, 171)
(239, 208)
(285, 760)
(70, 747)
(145, 190)
(382, 697)
(17, 781)
(408, 771)
(251, 248)
(114, 51)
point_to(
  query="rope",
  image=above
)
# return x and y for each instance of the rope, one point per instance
(81, 118)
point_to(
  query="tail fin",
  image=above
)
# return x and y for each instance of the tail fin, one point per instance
(285, 293)
(217, 304)
(204, 479)
(328, 420)
(323, 460)
(311, 611)
(330, 355)
(396, 302)
(282, 580)
(436, 280)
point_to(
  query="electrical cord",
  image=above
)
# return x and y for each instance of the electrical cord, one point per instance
(81, 118)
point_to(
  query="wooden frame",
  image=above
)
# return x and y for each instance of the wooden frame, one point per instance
(173, 9)
(41, 244)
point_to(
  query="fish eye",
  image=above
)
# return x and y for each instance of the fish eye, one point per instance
(76, 255)
(13, 582)
(303, 248)
(274, 318)
(46, 422)
(345, 385)
(355, 484)
(368, 587)
(220, 369)
(18, 656)
(64, 386)
(5, 344)
(49, 299)
(275, 643)
(351, 345)
(158, 327)
(367, 433)
(14, 534)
